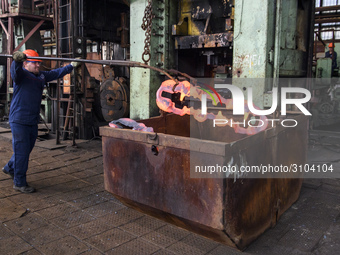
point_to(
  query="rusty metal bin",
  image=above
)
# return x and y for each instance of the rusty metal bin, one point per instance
(150, 172)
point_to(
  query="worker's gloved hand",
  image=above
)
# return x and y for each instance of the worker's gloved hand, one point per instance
(75, 64)
(19, 56)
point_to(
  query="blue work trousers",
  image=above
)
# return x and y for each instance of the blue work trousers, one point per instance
(23, 140)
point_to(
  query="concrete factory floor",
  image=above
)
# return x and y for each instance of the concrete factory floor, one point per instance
(71, 213)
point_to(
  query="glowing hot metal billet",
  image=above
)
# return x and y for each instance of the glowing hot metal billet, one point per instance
(173, 98)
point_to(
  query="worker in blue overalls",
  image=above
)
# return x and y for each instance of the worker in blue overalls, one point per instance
(333, 55)
(28, 85)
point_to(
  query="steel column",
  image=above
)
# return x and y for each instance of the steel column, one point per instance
(144, 83)
(10, 46)
(253, 41)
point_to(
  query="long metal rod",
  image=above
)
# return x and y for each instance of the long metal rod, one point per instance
(327, 8)
(277, 42)
(74, 79)
(102, 62)
(56, 26)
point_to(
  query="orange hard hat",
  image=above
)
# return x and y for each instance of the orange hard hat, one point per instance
(330, 45)
(32, 53)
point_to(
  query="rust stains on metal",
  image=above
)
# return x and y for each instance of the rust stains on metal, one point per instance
(114, 99)
(232, 211)
(238, 72)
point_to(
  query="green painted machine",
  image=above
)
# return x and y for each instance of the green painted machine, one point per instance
(222, 39)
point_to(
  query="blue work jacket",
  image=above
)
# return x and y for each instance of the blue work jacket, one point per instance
(27, 92)
(334, 60)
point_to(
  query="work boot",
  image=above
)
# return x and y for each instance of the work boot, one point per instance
(8, 173)
(24, 189)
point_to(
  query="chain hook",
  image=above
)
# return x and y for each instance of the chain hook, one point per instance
(146, 25)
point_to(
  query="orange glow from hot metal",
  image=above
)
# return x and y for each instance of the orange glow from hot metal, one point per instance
(186, 90)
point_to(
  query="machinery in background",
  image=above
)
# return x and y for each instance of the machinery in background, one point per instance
(211, 39)
(325, 106)
(77, 105)
(204, 38)
(223, 40)
(95, 31)
(21, 22)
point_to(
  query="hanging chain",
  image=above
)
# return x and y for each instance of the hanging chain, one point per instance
(147, 23)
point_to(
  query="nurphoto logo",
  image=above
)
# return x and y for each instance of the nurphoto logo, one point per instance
(238, 100)
(239, 106)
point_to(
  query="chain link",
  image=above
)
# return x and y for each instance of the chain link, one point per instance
(146, 25)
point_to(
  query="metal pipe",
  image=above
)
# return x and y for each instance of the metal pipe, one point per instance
(57, 47)
(102, 62)
(277, 42)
